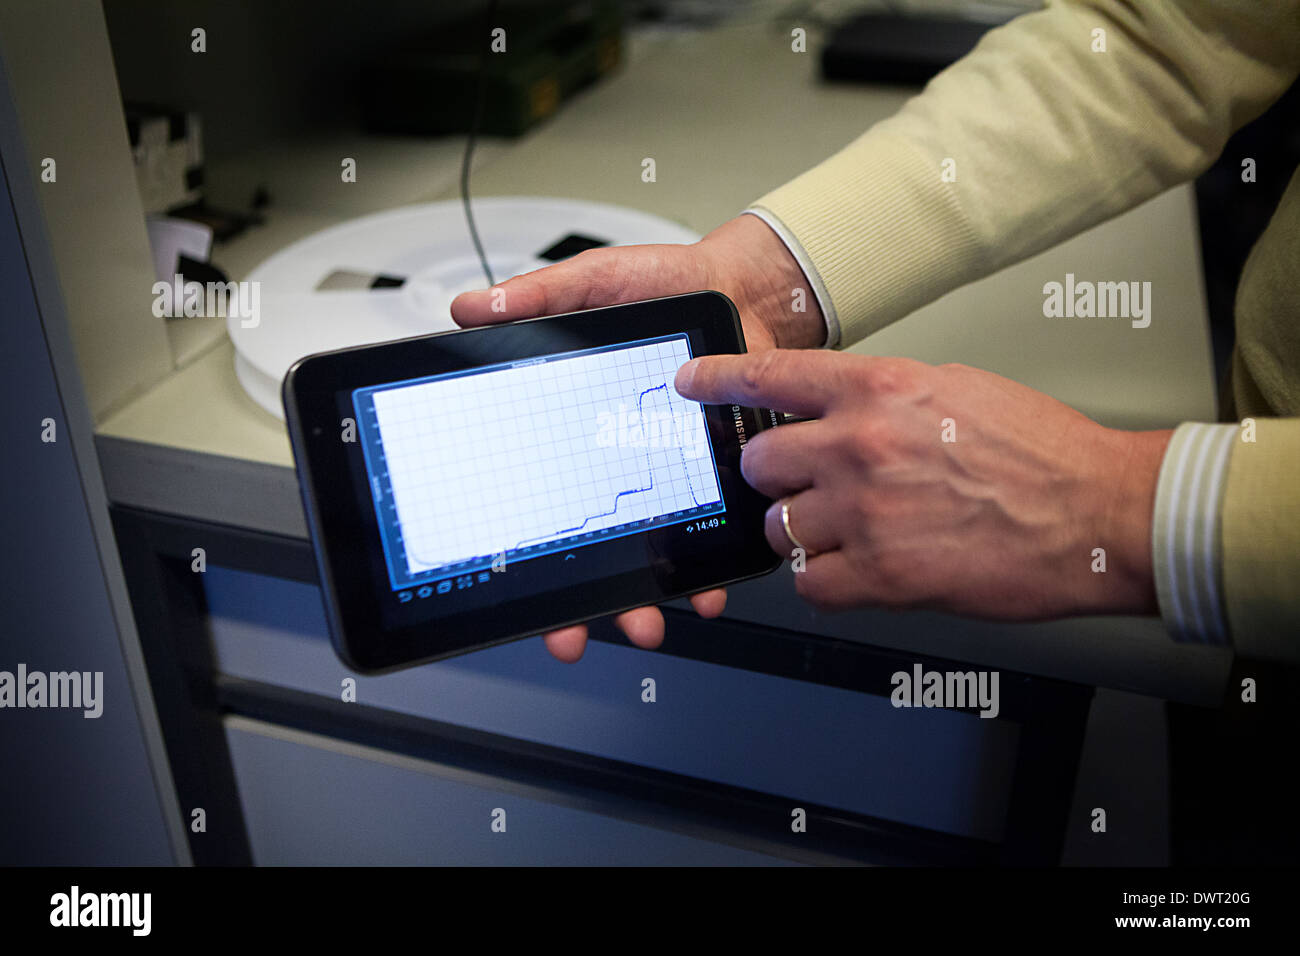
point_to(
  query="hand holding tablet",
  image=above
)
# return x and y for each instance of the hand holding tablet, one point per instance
(469, 488)
(743, 258)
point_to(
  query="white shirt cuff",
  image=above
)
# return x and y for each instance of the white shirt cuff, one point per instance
(1186, 550)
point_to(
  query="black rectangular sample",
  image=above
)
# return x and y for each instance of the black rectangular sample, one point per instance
(571, 245)
(897, 48)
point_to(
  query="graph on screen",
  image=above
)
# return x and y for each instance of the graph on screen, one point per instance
(519, 460)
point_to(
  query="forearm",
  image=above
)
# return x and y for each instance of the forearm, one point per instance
(1030, 139)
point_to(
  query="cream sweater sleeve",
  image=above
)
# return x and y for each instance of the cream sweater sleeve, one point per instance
(1047, 134)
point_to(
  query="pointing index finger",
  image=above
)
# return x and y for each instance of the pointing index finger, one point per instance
(798, 381)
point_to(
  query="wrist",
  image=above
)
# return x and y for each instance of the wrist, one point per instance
(752, 259)
(1124, 495)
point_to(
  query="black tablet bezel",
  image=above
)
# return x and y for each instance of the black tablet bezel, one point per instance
(344, 530)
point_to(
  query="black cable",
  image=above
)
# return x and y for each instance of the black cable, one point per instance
(473, 135)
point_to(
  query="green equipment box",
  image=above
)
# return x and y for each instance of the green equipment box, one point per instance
(546, 52)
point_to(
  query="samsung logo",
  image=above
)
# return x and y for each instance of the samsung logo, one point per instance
(740, 425)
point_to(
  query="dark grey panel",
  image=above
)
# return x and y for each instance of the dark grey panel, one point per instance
(231, 491)
(1124, 769)
(1125, 653)
(76, 789)
(940, 769)
(311, 801)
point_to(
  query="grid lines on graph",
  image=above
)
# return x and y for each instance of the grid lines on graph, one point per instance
(520, 456)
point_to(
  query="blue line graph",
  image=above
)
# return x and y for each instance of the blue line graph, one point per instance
(630, 491)
(490, 462)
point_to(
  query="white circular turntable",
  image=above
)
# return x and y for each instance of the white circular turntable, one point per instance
(393, 274)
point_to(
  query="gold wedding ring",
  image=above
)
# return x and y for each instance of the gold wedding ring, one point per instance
(785, 523)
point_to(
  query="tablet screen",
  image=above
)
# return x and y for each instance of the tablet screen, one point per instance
(521, 459)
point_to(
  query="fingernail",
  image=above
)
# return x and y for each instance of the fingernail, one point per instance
(684, 376)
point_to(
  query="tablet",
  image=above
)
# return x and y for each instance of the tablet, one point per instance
(469, 488)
